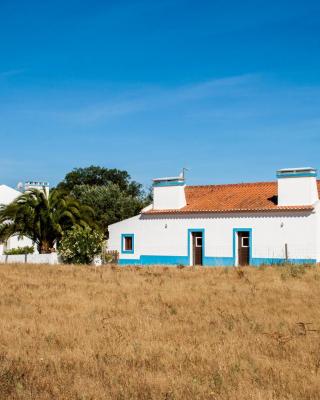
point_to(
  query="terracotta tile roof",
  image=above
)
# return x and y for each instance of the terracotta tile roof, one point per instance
(242, 197)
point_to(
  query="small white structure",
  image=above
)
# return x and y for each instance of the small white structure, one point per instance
(44, 186)
(236, 224)
(7, 196)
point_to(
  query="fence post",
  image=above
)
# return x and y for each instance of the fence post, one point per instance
(286, 251)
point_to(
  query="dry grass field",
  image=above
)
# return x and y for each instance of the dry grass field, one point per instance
(73, 332)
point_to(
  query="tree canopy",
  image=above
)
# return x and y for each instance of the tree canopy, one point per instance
(100, 176)
(109, 203)
(111, 193)
(43, 218)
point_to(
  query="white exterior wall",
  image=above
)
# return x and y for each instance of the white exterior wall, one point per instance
(317, 211)
(166, 236)
(297, 191)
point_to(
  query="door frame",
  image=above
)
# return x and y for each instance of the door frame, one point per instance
(190, 244)
(235, 244)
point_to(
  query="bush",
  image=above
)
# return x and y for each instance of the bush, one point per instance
(80, 245)
(20, 250)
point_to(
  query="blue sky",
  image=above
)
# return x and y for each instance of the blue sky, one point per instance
(228, 89)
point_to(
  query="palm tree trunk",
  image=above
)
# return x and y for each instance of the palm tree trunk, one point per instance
(45, 247)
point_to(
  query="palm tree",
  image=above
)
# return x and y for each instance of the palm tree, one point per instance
(43, 218)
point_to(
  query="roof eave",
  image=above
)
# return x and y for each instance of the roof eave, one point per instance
(233, 211)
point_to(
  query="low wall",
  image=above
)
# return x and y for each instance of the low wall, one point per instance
(51, 258)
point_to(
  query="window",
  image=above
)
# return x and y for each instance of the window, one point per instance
(245, 242)
(198, 241)
(127, 243)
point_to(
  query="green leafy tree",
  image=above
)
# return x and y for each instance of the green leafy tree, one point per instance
(109, 202)
(43, 218)
(99, 176)
(80, 245)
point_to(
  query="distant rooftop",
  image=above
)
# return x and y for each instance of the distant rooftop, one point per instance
(37, 183)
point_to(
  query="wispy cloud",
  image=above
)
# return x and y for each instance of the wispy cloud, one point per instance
(243, 97)
(150, 99)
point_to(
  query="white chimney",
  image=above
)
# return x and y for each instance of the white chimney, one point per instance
(297, 186)
(168, 193)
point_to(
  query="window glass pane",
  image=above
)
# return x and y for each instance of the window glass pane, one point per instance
(198, 241)
(128, 243)
(245, 242)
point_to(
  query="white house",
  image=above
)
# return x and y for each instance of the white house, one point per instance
(234, 224)
(7, 196)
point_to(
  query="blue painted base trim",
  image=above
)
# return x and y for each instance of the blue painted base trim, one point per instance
(209, 261)
(157, 260)
(128, 261)
(218, 261)
(164, 260)
(273, 261)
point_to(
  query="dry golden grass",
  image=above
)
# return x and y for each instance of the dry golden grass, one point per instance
(73, 332)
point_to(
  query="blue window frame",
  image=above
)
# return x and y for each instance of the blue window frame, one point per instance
(127, 243)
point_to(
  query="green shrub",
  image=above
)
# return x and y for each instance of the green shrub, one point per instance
(20, 250)
(80, 245)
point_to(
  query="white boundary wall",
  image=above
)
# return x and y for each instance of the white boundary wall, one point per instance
(51, 258)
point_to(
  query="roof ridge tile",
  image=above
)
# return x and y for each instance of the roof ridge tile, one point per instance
(233, 184)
